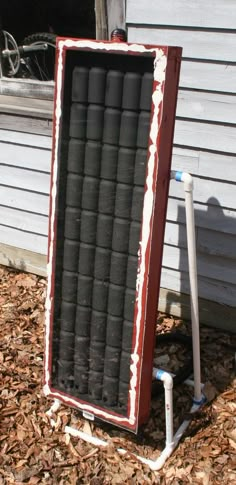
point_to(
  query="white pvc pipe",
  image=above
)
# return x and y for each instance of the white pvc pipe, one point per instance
(171, 440)
(167, 380)
(153, 464)
(190, 382)
(186, 178)
(54, 407)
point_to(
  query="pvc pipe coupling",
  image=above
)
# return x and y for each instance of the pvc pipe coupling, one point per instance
(184, 177)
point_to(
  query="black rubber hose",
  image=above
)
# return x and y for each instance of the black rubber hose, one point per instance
(186, 370)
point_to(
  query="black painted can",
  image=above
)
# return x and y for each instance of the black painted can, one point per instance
(137, 204)
(96, 87)
(125, 169)
(72, 223)
(81, 379)
(110, 390)
(140, 167)
(123, 394)
(86, 259)
(78, 121)
(114, 330)
(92, 158)
(132, 267)
(120, 239)
(69, 286)
(81, 352)
(66, 346)
(107, 194)
(88, 227)
(98, 326)
(134, 237)
(95, 385)
(125, 366)
(95, 122)
(143, 129)
(123, 200)
(128, 129)
(83, 321)
(112, 361)
(80, 84)
(90, 193)
(118, 268)
(109, 162)
(114, 89)
(76, 156)
(65, 373)
(67, 317)
(104, 231)
(127, 336)
(116, 300)
(74, 190)
(84, 291)
(96, 356)
(131, 91)
(111, 130)
(129, 304)
(146, 91)
(100, 295)
(71, 254)
(102, 264)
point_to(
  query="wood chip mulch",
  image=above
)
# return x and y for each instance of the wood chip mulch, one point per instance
(32, 452)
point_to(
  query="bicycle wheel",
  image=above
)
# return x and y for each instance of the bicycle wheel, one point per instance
(9, 54)
(41, 64)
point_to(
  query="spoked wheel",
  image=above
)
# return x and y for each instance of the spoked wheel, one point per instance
(10, 55)
(41, 63)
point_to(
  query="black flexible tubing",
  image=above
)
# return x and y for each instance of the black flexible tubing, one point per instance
(186, 370)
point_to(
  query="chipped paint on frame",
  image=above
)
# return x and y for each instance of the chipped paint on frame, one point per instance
(160, 62)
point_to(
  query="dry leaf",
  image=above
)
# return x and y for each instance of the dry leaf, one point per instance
(67, 439)
(20, 433)
(27, 473)
(87, 427)
(222, 459)
(35, 480)
(26, 281)
(232, 434)
(232, 443)
(20, 463)
(73, 451)
(209, 391)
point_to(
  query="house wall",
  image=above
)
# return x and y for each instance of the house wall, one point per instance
(204, 145)
(25, 159)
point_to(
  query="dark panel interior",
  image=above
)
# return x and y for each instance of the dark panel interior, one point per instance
(103, 152)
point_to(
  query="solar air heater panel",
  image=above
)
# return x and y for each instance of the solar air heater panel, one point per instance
(112, 142)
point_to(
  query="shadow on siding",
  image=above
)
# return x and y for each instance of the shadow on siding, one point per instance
(216, 263)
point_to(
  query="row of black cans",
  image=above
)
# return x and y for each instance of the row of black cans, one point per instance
(112, 88)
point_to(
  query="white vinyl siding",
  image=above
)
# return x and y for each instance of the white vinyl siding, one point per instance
(204, 143)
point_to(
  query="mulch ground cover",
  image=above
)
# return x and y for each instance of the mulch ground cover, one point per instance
(33, 452)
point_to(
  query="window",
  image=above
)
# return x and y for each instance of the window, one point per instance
(23, 20)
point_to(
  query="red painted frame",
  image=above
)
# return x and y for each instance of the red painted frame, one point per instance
(166, 75)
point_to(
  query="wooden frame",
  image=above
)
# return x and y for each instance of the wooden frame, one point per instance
(166, 61)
